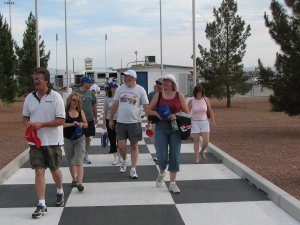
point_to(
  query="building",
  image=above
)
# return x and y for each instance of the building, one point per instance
(148, 74)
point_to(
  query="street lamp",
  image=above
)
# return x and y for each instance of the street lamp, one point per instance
(37, 42)
(194, 44)
(135, 52)
(161, 57)
(9, 3)
(66, 41)
(56, 55)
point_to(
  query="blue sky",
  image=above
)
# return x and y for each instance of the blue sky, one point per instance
(133, 25)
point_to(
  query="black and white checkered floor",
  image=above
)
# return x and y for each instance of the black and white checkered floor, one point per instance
(211, 194)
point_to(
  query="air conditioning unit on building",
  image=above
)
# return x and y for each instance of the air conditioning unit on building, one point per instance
(149, 59)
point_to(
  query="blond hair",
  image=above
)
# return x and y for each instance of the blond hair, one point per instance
(69, 99)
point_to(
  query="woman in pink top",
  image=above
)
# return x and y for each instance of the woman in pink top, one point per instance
(200, 105)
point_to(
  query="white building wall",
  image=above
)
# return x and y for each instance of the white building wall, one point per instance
(180, 74)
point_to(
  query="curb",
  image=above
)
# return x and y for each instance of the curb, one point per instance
(281, 198)
(7, 171)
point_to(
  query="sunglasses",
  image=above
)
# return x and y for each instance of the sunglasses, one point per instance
(157, 83)
(74, 100)
(38, 78)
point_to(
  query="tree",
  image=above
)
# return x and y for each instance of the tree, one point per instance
(285, 30)
(221, 65)
(8, 85)
(27, 56)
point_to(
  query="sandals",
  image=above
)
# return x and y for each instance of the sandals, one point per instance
(203, 156)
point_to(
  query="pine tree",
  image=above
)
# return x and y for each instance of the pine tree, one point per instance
(285, 30)
(8, 86)
(221, 65)
(27, 56)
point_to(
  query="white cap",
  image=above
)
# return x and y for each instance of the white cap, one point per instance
(170, 77)
(130, 73)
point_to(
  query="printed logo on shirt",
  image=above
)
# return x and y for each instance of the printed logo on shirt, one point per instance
(129, 99)
(48, 101)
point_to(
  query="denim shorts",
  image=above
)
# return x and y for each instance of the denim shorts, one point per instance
(131, 131)
(168, 144)
(45, 156)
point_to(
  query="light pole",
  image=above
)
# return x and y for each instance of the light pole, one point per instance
(135, 52)
(160, 25)
(37, 42)
(56, 55)
(194, 44)
(105, 55)
(9, 3)
(66, 41)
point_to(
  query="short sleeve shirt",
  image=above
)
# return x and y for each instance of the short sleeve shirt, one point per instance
(49, 108)
(88, 100)
(109, 103)
(130, 101)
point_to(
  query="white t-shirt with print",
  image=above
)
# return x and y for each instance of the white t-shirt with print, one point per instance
(130, 101)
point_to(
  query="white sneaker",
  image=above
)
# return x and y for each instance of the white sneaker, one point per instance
(133, 173)
(116, 160)
(174, 188)
(119, 157)
(86, 160)
(123, 166)
(159, 180)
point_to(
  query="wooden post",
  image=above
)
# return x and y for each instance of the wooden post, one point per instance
(1, 105)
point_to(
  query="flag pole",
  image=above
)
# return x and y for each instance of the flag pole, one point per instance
(105, 56)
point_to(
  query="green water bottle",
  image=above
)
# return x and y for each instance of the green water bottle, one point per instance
(174, 125)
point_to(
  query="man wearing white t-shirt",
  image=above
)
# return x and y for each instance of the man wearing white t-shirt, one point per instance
(44, 112)
(128, 101)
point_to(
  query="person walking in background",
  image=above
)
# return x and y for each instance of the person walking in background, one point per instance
(168, 140)
(157, 88)
(128, 101)
(89, 106)
(75, 143)
(44, 111)
(112, 87)
(94, 87)
(200, 107)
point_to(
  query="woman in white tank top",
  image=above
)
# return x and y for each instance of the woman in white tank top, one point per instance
(200, 107)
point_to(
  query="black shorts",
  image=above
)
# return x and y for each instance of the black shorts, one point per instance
(90, 130)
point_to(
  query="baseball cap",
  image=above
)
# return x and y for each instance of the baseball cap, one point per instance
(113, 85)
(31, 136)
(86, 79)
(130, 73)
(159, 81)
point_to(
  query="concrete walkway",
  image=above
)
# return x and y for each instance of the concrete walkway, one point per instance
(218, 191)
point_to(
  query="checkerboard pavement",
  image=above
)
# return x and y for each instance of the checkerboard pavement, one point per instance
(211, 194)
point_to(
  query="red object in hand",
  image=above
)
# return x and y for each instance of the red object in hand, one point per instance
(31, 136)
(149, 133)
